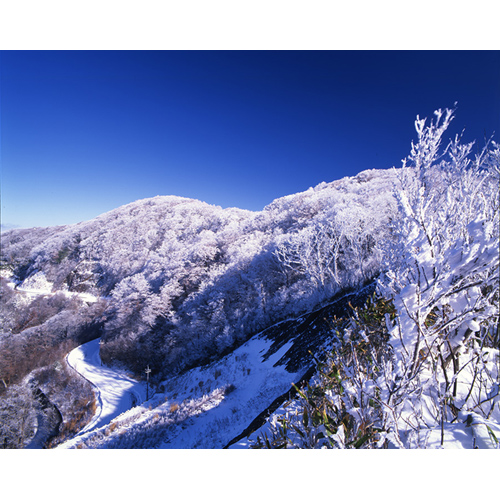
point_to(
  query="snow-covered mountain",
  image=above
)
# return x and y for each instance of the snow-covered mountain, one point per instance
(186, 281)
(221, 310)
(173, 283)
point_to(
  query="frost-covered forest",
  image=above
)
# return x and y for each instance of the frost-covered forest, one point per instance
(174, 284)
(419, 366)
(185, 281)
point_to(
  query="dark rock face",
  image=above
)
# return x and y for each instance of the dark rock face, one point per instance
(307, 334)
(310, 332)
(49, 419)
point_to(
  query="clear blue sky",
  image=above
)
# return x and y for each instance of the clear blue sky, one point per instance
(85, 132)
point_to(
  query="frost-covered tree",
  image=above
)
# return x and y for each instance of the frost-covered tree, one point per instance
(313, 252)
(445, 286)
(425, 355)
(17, 417)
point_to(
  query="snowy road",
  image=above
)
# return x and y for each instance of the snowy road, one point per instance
(32, 293)
(43, 288)
(115, 391)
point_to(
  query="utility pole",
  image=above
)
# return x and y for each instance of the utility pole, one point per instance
(147, 371)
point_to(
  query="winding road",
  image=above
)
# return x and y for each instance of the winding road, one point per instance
(115, 391)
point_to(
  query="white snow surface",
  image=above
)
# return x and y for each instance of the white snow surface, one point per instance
(257, 383)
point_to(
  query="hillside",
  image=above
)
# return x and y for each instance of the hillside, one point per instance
(227, 308)
(210, 406)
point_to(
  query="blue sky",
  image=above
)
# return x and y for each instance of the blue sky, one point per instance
(85, 132)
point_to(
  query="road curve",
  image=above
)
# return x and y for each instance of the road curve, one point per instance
(116, 392)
